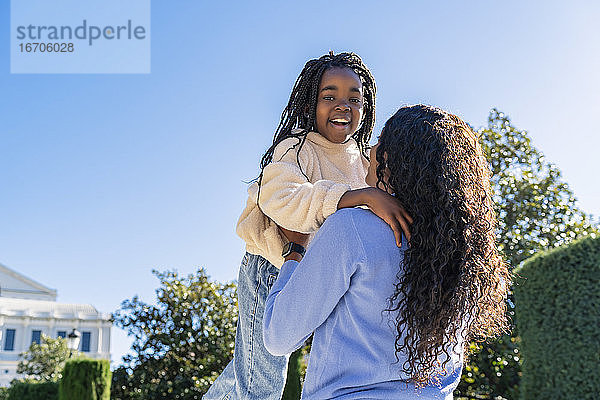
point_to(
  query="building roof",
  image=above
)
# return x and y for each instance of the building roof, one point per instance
(11, 307)
(15, 284)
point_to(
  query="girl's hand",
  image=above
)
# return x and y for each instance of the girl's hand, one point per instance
(296, 237)
(384, 205)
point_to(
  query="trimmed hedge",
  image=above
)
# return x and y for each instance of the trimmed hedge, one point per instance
(557, 298)
(24, 390)
(85, 379)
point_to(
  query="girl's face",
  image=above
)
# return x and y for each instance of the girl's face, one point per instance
(339, 104)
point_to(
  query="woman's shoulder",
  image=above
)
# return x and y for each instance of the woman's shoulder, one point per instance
(358, 214)
(370, 230)
(359, 218)
(351, 213)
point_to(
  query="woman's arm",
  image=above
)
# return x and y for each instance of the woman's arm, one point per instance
(384, 205)
(306, 292)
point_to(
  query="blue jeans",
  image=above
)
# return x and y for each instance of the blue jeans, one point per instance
(253, 374)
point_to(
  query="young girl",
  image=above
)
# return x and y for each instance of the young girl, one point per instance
(316, 165)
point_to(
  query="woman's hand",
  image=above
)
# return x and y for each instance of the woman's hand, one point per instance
(384, 205)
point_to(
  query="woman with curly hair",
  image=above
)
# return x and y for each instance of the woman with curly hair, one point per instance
(393, 323)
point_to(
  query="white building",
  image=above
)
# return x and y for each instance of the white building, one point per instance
(29, 309)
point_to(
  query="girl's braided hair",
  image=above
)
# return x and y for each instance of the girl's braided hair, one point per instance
(300, 111)
(453, 280)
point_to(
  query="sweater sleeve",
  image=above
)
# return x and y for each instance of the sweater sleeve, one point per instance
(289, 198)
(306, 293)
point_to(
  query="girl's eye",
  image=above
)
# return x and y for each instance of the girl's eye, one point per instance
(355, 100)
(327, 97)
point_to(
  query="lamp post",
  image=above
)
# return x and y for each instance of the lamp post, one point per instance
(73, 341)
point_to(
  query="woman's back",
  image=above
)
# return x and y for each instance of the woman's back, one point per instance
(341, 293)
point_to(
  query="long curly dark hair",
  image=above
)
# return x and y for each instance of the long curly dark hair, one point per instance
(453, 281)
(300, 111)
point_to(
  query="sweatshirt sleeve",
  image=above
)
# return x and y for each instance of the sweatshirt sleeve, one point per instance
(289, 198)
(306, 293)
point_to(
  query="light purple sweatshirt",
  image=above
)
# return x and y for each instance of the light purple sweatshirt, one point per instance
(339, 291)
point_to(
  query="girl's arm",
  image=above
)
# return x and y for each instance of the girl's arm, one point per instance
(384, 205)
(288, 198)
(292, 202)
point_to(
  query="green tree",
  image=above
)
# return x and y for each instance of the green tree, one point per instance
(536, 210)
(181, 343)
(44, 361)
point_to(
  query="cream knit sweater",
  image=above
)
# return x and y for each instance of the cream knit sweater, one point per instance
(289, 199)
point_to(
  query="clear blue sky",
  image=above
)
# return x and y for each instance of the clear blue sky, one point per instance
(105, 177)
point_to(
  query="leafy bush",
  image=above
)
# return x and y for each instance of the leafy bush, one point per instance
(32, 390)
(85, 379)
(45, 361)
(557, 297)
(183, 339)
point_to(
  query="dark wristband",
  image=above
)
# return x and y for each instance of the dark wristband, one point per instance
(292, 247)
